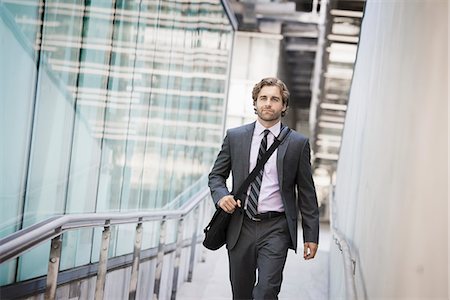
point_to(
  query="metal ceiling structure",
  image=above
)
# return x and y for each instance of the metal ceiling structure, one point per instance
(318, 53)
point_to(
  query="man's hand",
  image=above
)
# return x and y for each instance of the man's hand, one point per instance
(309, 250)
(228, 204)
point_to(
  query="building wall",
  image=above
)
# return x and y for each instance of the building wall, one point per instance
(391, 190)
(113, 106)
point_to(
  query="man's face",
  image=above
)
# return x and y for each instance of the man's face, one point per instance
(269, 104)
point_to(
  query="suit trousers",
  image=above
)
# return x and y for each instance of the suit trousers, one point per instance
(260, 253)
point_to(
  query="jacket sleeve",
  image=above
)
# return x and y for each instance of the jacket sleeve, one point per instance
(220, 172)
(308, 206)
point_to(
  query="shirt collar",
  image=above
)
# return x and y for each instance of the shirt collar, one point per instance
(275, 129)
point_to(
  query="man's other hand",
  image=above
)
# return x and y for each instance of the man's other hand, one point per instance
(309, 250)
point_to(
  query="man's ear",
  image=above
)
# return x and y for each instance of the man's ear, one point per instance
(284, 111)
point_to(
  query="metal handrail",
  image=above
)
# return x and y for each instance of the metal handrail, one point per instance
(344, 247)
(24, 240)
(349, 264)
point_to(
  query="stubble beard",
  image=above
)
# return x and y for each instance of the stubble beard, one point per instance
(269, 117)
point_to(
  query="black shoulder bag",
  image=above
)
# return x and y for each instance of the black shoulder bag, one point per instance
(216, 231)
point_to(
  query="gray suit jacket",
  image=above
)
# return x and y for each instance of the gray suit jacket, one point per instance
(294, 176)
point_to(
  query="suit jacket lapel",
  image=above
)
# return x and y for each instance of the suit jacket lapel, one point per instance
(246, 144)
(280, 159)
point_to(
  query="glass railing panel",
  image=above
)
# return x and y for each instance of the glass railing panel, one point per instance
(76, 248)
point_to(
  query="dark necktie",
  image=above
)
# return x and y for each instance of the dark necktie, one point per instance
(255, 186)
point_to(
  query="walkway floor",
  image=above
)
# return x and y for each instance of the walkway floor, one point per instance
(305, 280)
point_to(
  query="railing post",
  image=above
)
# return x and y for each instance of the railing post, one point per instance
(159, 259)
(102, 263)
(193, 244)
(177, 259)
(53, 267)
(206, 212)
(136, 261)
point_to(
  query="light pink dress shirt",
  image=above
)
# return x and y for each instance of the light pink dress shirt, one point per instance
(269, 195)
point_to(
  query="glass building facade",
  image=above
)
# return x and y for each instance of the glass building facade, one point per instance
(106, 106)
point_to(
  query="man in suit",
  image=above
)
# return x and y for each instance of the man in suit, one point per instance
(260, 233)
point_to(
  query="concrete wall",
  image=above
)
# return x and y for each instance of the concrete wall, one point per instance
(392, 181)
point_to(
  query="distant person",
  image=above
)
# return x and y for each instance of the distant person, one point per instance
(259, 236)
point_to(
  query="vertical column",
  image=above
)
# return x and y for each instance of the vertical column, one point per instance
(102, 263)
(53, 267)
(177, 259)
(136, 261)
(159, 259)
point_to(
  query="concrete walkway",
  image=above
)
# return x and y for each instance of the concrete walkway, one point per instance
(305, 280)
